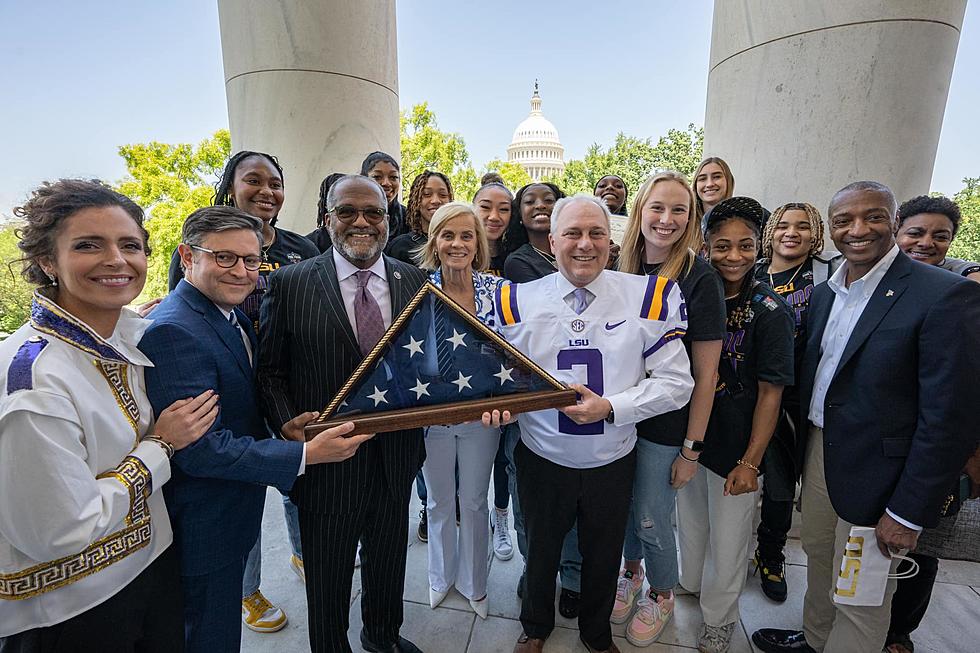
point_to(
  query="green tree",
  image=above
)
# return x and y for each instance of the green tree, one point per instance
(634, 159)
(170, 182)
(514, 174)
(967, 242)
(425, 147)
(15, 293)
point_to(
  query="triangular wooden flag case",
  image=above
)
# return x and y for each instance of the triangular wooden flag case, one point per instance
(438, 364)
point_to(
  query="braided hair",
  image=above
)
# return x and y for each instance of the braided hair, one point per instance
(816, 227)
(414, 209)
(222, 190)
(743, 301)
(321, 203)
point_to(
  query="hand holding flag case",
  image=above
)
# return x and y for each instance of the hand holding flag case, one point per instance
(438, 364)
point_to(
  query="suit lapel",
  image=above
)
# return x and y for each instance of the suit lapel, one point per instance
(818, 312)
(889, 290)
(227, 333)
(330, 285)
(397, 289)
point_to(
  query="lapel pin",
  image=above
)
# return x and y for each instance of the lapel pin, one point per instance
(398, 275)
(889, 293)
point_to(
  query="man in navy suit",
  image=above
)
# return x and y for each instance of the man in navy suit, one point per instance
(215, 498)
(887, 385)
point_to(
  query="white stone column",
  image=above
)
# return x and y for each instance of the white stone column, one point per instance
(805, 97)
(314, 82)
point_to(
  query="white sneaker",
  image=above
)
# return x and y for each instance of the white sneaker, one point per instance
(503, 548)
(715, 639)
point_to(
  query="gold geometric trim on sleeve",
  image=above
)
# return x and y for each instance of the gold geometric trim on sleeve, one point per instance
(48, 576)
(133, 474)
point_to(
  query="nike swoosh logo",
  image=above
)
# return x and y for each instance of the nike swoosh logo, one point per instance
(610, 327)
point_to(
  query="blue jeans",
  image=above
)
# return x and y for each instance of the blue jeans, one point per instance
(253, 564)
(571, 560)
(649, 533)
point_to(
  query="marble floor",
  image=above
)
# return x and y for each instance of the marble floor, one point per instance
(952, 624)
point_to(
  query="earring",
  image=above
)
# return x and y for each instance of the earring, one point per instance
(54, 279)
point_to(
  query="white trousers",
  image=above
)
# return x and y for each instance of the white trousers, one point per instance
(458, 555)
(713, 533)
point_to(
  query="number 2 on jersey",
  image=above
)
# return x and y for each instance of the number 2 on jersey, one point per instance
(592, 360)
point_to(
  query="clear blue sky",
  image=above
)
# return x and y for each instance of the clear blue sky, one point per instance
(81, 78)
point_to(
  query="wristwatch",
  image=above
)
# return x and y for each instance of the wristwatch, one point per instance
(697, 446)
(611, 417)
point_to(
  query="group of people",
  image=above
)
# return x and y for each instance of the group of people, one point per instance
(719, 353)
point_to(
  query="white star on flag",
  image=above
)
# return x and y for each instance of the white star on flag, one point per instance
(504, 374)
(457, 340)
(463, 381)
(378, 396)
(414, 346)
(420, 389)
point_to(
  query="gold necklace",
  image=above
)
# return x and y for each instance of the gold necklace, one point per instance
(548, 257)
(788, 286)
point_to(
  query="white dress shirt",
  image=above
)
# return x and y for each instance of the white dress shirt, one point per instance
(849, 304)
(377, 286)
(248, 350)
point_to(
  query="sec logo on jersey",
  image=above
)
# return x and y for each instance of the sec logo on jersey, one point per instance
(578, 326)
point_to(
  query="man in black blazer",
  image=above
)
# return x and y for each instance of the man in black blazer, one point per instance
(319, 318)
(887, 387)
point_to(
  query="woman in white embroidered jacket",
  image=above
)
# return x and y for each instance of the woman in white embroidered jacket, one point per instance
(84, 532)
(455, 253)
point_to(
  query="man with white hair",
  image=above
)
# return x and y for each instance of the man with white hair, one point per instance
(616, 339)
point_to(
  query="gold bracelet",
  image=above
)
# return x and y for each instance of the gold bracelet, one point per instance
(167, 447)
(745, 463)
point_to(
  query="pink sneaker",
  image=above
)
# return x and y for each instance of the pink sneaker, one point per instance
(650, 619)
(627, 589)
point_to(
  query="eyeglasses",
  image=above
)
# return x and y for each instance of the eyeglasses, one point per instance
(226, 259)
(348, 214)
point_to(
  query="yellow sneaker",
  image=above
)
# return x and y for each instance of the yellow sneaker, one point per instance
(296, 564)
(260, 615)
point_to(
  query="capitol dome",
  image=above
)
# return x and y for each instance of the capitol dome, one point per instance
(535, 145)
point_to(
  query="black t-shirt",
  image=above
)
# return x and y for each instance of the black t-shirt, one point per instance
(705, 301)
(286, 249)
(527, 264)
(403, 247)
(321, 238)
(758, 346)
(496, 266)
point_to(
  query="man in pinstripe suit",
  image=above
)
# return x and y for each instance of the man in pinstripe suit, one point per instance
(319, 318)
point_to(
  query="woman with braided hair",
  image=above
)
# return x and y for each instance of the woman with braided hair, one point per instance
(714, 509)
(793, 263)
(429, 191)
(320, 236)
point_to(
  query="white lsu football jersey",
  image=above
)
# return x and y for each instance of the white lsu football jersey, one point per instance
(625, 346)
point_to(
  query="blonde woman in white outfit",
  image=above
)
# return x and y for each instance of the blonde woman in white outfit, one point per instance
(456, 253)
(84, 532)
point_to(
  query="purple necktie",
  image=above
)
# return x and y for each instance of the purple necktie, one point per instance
(367, 314)
(581, 296)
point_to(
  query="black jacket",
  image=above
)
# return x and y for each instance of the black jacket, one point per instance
(900, 412)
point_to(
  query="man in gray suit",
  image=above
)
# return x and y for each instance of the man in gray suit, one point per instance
(319, 319)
